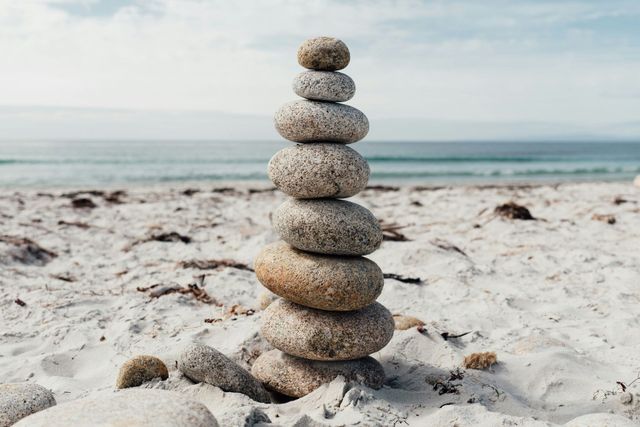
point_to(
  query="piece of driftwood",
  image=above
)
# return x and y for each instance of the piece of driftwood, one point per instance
(158, 290)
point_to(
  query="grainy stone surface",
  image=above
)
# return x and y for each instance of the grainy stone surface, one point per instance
(297, 377)
(326, 335)
(320, 281)
(319, 170)
(265, 299)
(18, 400)
(406, 322)
(327, 226)
(316, 121)
(324, 86)
(131, 408)
(139, 370)
(324, 53)
(205, 364)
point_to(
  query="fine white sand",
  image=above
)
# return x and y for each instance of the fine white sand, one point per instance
(557, 299)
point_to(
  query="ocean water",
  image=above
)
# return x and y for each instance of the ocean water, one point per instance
(84, 163)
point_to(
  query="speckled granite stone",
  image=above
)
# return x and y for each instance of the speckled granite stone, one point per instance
(324, 86)
(139, 370)
(297, 377)
(326, 335)
(18, 400)
(319, 170)
(316, 121)
(205, 364)
(323, 53)
(320, 281)
(327, 226)
(131, 408)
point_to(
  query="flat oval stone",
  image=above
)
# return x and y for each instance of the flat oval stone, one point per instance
(297, 377)
(320, 281)
(130, 407)
(323, 53)
(326, 335)
(319, 170)
(139, 370)
(205, 364)
(18, 400)
(327, 226)
(316, 121)
(324, 86)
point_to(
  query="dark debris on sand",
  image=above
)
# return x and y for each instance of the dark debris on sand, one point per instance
(512, 210)
(26, 251)
(214, 264)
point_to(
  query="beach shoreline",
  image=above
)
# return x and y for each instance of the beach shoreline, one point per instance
(555, 297)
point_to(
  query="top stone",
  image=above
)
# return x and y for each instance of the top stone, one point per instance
(323, 54)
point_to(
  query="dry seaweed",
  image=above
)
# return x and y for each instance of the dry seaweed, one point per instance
(446, 246)
(447, 335)
(382, 188)
(512, 210)
(214, 264)
(158, 290)
(609, 219)
(20, 302)
(26, 251)
(64, 277)
(162, 237)
(390, 232)
(480, 360)
(83, 203)
(403, 279)
(78, 224)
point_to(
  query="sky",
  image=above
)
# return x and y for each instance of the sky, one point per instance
(219, 69)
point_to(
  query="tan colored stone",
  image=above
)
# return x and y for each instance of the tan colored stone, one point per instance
(324, 53)
(297, 377)
(319, 281)
(139, 370)
(326, 335)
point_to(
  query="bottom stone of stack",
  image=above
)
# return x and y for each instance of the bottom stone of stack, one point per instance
(315, 334)
(297, 377)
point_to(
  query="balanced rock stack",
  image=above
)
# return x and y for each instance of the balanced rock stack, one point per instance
(327, 321)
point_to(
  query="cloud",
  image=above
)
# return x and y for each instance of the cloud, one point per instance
(560, 62)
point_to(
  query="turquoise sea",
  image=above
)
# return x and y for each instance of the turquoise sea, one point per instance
(82, 163)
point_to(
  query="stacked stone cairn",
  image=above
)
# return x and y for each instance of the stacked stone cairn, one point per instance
(327, 322)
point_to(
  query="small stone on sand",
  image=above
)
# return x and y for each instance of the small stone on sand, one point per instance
(140, 369)
(18, 400)
(406, 322)
(205, 364)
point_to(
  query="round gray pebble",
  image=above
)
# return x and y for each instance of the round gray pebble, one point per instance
(316, 121)
(205, 364)
(327, 335)
(319, 170)
(18, 400)
(326, 282)
(324, 86)
(130, 407)
(297, 377)
(327, 226)
(324, 53)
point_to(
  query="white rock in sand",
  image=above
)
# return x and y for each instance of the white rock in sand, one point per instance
(22, 399)
(130, 407)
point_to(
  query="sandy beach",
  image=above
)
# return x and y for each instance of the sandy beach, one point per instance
(89, 279)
